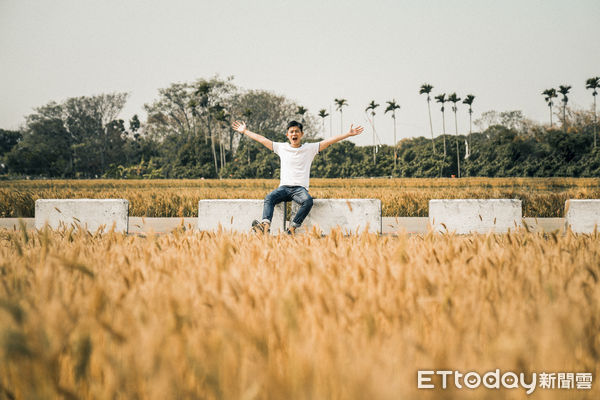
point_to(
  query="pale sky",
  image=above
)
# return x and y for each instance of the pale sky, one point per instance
(503, 52)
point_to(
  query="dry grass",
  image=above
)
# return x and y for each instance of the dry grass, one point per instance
(542, 197)
(221, 316)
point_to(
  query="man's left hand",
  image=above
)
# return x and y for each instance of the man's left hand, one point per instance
(355, 131)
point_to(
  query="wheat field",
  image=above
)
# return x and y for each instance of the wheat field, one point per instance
(541, 197)
(235, 316)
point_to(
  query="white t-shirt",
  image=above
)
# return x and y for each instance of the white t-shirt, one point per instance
(295, 162)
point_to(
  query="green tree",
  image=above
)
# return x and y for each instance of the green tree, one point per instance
(8, 140)
(339, 105)
(134, 125)
(115, 142)
(392, 107)
(88, 122)
(138, 147)
(43, 151)
(455, 99)
(426, 89)
(85, 131)
(187, 110)
(371, 107)
(564, 90)
(108, 107)
(208, 98)
(550, 94)
(174, 112)
(593, 84)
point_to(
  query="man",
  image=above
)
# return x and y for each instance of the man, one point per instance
(296, 159)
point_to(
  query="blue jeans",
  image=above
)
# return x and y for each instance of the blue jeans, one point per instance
(298, 194)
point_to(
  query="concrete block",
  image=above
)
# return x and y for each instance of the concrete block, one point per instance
(351, 215)
(89, 213)
(582, 216)
(235, 215)
(475, 215)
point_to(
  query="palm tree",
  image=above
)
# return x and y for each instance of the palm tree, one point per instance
(441, 98)
(550, 94)
(454, 99)
(301, 111)
(564, 90)
(323, 114)
(469, 101)
(392, 106)
(426, 89)
(339, 104)
(594, 84)
(372, 106)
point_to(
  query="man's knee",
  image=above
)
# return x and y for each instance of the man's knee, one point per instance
(307, 201)
(271, 198)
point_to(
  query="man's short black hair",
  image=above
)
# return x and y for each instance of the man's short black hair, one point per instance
(294, 123)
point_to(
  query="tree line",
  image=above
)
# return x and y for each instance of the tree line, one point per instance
(187, 134)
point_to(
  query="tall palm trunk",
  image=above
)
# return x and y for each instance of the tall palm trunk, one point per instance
(444, 130)
(71, 157)
(550, 115)
(212, 145)
(247, 139)
(395, 142)
(470, 127)
(430, 123)
(221, 151)
(224, 139)
(374, 146)
(457, 150)
(341, 122)
(595, 123)
(104, 148)
(214, 152)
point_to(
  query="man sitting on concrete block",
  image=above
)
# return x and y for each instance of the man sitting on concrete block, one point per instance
(296, 159)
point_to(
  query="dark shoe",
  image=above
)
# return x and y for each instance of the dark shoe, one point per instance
(260, 227)
(290, 231)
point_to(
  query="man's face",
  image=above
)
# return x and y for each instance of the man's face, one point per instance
(294, 135)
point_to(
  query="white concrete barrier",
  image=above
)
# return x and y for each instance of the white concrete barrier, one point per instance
(475, 215)
(235, 215)
(351, 215)
(88, 213)
(582, 216)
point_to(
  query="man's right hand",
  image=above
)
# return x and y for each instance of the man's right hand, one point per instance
(239, 126)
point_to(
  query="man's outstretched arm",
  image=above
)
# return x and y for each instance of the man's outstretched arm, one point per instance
(352, 132)
(241, 128)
